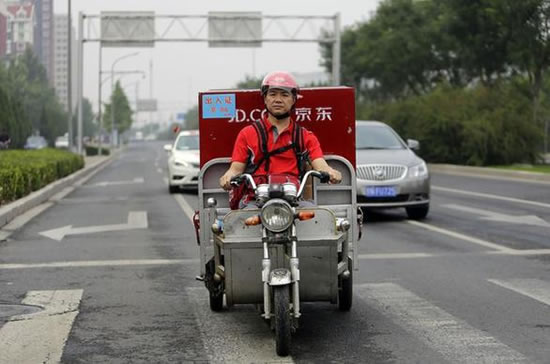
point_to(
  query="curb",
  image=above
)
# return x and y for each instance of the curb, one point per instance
(489, 172)
(13, 209)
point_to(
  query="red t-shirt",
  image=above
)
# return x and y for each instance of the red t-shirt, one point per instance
(248, 141)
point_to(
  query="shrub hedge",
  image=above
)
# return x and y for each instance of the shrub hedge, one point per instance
(24, 171)
(94, 150)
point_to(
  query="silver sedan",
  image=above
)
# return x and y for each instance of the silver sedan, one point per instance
(389, 173)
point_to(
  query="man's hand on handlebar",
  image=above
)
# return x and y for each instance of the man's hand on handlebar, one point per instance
(235, 169)
(225, 181)
(335, 176)
(321, 165)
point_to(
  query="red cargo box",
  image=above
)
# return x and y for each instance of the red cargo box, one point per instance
(329, 112)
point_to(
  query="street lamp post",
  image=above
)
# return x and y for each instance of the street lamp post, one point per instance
(112, 94)
(69, 79)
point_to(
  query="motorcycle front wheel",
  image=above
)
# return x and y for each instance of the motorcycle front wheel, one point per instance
(281, 308)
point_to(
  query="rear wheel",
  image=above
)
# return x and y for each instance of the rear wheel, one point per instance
(417, 212)
(281, 303)
(216, 301)
(345, 294)
(215, 289)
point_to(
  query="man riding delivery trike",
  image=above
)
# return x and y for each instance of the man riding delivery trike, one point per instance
(278, 222)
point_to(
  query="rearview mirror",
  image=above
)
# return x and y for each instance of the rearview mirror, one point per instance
(168, 147)
(413, 144)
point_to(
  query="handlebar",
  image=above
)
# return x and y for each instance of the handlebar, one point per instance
(237, 180)
(324, 177)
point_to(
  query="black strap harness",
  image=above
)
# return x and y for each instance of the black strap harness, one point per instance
(302, 156)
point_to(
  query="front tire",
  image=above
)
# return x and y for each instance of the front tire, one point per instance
(173, 189)
(417, 212)
(281, 303)
(345, 294)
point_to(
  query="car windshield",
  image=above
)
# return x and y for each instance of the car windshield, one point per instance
(376, 137)
(187, 142)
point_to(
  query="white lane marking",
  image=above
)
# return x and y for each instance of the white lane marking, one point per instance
(136, 220)
(89, 176)
(86, 200)
(139, 262)
(394, 256)
(40, 337)
(239, 336)
(520, 252)
(467, 238)
(511, 252)
(533, 288)
(99, 263)
(454, 339)
(494, 197)
(185, 206)
(500, 178)
(115, 183)
(498, 217)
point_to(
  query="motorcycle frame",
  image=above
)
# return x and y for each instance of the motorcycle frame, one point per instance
(341, 199)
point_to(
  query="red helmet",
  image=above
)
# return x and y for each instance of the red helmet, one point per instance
(280, 80)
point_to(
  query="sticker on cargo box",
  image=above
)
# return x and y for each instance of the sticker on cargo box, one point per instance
(218, 106)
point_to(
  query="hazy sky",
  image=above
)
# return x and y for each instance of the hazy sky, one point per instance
(182, 69)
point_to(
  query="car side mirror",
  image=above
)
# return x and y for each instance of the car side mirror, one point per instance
(413, 144)
(168, 147)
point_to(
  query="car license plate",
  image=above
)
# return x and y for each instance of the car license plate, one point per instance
(381, 191)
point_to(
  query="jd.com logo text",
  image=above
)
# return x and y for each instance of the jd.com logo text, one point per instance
(301, 114)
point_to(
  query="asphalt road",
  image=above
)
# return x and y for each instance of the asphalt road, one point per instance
(469, 284)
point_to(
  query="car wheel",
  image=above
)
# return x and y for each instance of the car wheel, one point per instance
(173, 189)
(418, 212)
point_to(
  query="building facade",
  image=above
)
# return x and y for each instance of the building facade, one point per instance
(61, 52)
(3, 29)
(20, 31)
(44, 35)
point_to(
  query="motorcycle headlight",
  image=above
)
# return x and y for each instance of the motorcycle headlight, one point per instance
(277, 215)
(420, 170)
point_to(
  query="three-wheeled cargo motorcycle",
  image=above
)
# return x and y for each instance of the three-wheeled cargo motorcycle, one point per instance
(284, 251)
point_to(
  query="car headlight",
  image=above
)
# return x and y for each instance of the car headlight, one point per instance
(420, 170)
(277, 215)
(181, 164)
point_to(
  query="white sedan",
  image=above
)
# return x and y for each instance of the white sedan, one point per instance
(183, 161)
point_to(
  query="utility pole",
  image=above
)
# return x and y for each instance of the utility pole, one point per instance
(69, 78)
(336, 52)
(151, 88)
(80, 78)
(99, 116)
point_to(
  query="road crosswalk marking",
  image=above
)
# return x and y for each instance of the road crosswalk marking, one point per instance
(239, 336)
(40, 337)
(533, 288)
(454, 339)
